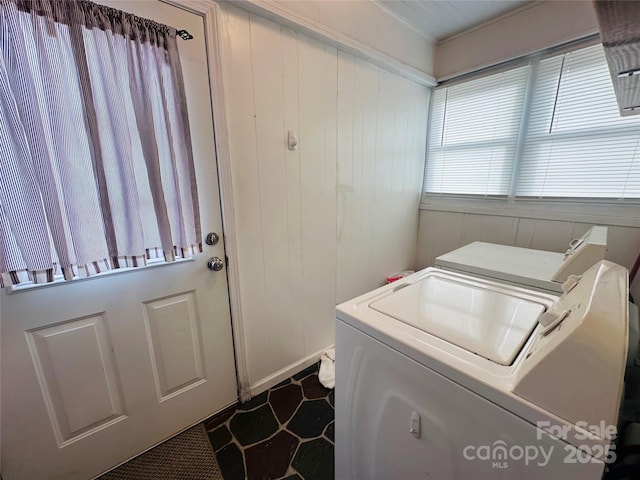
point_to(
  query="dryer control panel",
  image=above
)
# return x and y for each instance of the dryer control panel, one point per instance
(582, 253)
(575, 366)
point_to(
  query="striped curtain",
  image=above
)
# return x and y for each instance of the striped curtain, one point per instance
(96, 164)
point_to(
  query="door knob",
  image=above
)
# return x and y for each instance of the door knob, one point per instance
(216, 264)
(211, 238)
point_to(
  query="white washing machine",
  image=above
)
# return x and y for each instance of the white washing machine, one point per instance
(537, 269)
(445, 376)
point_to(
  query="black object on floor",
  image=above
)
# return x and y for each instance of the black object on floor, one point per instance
(284, 433)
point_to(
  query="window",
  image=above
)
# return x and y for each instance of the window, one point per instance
(473, 134)
(556, 135)
(97, 168)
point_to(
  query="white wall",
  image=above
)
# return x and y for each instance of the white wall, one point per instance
(285, 201)
(536, 27)
(363, 21)
(360, 24)
(275, 80)
(443, 231)
(382, 123)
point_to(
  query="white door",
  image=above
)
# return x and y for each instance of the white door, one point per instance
(96, 371)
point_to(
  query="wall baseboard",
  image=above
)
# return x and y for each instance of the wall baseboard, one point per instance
(286, 372)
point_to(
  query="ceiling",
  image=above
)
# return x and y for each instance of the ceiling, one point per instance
(440, 19)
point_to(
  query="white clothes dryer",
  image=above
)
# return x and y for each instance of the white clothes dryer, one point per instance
(527, 267)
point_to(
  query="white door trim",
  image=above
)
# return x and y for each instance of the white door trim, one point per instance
(210, 14)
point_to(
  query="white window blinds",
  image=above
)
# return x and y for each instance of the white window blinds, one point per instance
(577, 144)
(473, 135)
(572, 141)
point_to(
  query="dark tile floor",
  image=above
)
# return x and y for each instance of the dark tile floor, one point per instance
(284, 433)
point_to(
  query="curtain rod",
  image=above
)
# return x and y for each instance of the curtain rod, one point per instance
(183, 34)
(58, 12)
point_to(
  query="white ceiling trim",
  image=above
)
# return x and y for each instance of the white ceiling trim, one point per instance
(403, 21)
(486, 23)
(439, 20)
(276, 12)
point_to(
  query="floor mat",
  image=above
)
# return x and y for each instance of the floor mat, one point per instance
(187, 456)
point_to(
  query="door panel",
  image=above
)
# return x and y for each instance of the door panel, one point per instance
(96, 371)
(80, 396)
(174, 339)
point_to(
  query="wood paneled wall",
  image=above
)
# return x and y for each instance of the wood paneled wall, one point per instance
(276, 81)
(332, 218)
(443, 231)
(382, 124)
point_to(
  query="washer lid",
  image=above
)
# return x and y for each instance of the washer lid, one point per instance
(522, 266)
(484, 321)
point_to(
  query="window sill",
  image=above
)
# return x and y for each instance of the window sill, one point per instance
(59, 279)
(611, 214)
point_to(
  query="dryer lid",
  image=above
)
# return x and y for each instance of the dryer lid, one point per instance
(492, 322)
